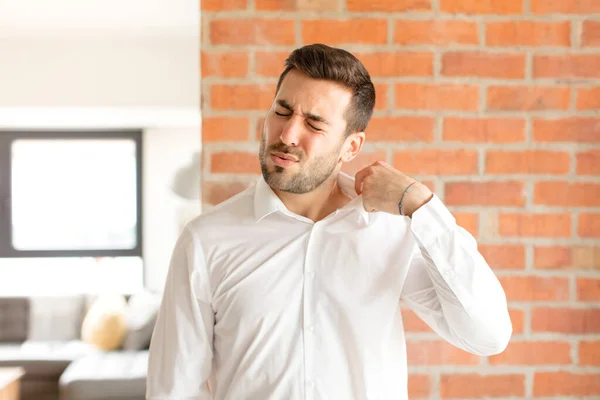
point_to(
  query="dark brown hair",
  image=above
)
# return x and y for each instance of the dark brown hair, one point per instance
(319, 61)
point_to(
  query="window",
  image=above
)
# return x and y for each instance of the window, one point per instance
(70, 194)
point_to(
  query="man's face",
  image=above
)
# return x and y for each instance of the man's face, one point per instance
(304, 133)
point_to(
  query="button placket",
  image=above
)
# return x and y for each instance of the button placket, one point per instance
(309, 316)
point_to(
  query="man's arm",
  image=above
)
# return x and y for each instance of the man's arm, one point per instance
(181, 350)
(451, 287)
(449, 284)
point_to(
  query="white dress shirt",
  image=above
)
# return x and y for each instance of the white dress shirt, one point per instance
(264, 304)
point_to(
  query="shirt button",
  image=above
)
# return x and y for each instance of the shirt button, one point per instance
(311, 275)
(310, 384)
(311, 328)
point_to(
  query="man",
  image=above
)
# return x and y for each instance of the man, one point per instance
(291, 289)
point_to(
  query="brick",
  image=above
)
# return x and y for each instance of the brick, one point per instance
(297, 5)
(225, 129)
(252, 31)
(437, 352)
(535, 288)
(242, 97)
(588, 289)
(591, 33)
(565, 257)
(381, 96)
(469, 221)
(436, 162)
(496, 193)
(401, 129)
(589, 225)
(415, 96)
(363, 160)
(528, 33)
(270, 63)
(573, 129)
(412, 322)
(517, 317)
(503, 7)
(481, 386)
(569, 194)
(397, 64)
(235, 162)
(388, 6)
(485, 65)
(588, 98)
(216, 192)
(419, 386)
(435, 32)
(566, 66)
(577, 321)
(554, 384)
(335, 32)
(223, 5)
(483, 130)
(534, 353)
(224, 65)
(565, 7)
(527, 98)
(503, 256)
(527, 162)
(534, 225)
(589, 353)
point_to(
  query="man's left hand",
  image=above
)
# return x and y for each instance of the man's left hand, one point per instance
(382, 187)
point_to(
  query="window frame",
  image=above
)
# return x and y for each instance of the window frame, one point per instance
(7, 137)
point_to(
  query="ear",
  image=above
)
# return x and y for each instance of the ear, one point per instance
(352, 146)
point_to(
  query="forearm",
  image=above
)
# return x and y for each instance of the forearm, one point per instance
(464, 301)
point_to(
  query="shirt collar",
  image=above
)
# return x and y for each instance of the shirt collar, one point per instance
(266, 201)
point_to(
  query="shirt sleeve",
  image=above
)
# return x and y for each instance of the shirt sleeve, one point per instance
(450, 286)
(181, 349)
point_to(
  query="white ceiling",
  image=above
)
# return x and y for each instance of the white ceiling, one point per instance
(104, 17)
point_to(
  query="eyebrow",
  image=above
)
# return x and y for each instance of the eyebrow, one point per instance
(308, 115)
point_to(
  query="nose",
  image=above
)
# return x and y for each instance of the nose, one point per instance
(290, 135)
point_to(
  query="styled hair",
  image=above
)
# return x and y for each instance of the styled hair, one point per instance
(319, 61)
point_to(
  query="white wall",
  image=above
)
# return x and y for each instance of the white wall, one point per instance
(165, 150)
(128, 71)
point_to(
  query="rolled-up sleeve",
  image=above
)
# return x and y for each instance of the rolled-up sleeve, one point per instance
(181, 349)
(451, 287)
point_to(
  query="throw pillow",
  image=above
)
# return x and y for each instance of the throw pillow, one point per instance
(142, 310)
(105, 324)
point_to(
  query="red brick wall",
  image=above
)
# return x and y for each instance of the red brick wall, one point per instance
(495, 105)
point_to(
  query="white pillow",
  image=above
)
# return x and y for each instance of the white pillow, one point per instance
(142, 310)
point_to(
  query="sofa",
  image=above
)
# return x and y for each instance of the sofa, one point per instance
(44, 336)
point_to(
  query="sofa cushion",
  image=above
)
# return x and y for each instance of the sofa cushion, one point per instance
(14, 319)
(142, 311)
(111, 375)
(43, 359)
(56, 318)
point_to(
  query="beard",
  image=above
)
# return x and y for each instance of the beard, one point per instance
(310, 175)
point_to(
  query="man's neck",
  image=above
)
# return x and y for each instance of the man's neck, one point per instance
(317, 204)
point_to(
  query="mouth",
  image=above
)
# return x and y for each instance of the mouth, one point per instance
(283, 160)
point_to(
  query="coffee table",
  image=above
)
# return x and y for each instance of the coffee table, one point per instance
(9, 383)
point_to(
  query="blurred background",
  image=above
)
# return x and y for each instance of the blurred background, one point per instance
(495, 105)
(99, 170)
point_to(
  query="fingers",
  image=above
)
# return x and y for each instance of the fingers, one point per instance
(360, 177)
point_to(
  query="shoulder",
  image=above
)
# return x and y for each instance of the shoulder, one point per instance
(236, 210)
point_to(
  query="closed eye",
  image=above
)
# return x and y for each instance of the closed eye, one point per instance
(282, 115)
(316, 129)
